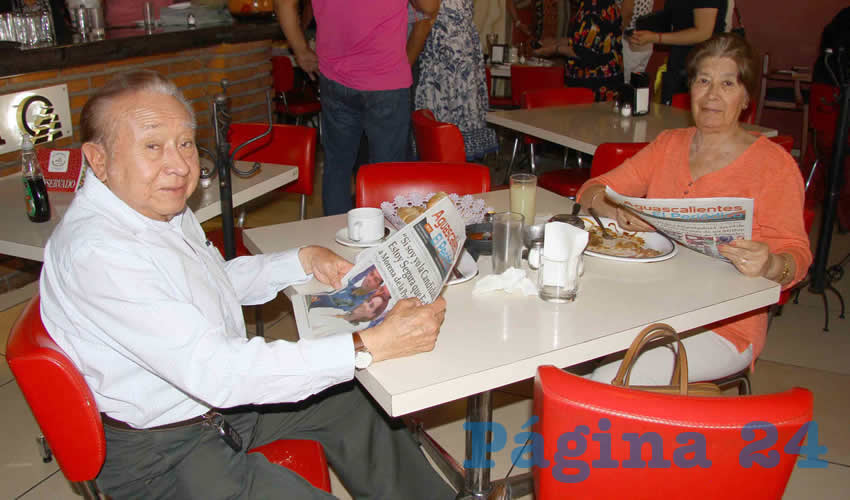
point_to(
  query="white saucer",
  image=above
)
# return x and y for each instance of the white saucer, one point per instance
(342, 239)
(467, 267)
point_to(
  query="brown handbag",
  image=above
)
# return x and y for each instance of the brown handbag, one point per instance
(679, 381)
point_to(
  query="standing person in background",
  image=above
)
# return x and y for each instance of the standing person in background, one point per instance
(452, 78)
(593, 49)
(692, 22)
(364, 79)
(635, 58)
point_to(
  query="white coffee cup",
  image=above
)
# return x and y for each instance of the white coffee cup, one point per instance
(365, 224)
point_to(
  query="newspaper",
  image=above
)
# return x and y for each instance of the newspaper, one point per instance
(700, 224)
(416, 262)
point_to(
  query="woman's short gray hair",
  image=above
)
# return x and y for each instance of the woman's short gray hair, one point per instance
(95, 124)
(734, 47)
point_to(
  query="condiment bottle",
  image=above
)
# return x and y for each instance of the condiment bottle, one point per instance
(35, 192)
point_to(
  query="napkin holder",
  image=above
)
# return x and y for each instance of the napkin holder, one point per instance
(637, 93)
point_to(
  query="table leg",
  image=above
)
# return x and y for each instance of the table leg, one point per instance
(476, 484)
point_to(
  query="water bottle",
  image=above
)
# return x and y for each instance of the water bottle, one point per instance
(35, 192)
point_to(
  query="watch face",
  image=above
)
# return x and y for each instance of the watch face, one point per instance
(362, 359)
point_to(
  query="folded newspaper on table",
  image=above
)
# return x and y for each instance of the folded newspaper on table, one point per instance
(700, 224)
(416, 262)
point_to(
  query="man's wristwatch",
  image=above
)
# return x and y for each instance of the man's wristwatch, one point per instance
(362, 356)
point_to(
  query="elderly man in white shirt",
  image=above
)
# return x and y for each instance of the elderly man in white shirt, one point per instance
(151, 315)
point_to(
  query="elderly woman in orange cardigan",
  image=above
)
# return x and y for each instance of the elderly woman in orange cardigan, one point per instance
(717, 158)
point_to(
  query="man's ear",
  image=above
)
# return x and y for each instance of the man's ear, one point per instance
(96, 157)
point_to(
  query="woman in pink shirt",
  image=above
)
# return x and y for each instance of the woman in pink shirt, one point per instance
(717, 158)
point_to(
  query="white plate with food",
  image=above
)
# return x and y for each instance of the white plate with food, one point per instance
(343, 239)
(466, 268)
(627, 246)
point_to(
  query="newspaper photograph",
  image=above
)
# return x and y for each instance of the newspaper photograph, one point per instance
(416, 261)
(700, 224)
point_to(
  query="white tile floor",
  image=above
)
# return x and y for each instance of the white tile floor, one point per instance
(798, 353)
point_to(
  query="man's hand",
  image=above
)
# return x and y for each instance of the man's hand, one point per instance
(308, 61)
(324, 264)
(409, 328)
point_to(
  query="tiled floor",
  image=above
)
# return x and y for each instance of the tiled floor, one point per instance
(798, 353)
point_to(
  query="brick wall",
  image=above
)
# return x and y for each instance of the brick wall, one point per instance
(197, 72)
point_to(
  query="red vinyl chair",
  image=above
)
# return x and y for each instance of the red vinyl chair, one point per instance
(381, 182)
(682, 100)
(524, 78)
(786, 141)
(544, 98)
(435, 140)
(609, 155)
(288, 145)
(65, 410)
(579, 418)
(298, 103)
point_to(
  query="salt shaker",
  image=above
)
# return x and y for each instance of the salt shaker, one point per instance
(626, 110)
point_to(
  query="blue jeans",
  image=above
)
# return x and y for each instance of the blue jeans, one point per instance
(346, 113)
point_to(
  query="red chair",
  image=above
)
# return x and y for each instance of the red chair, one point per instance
(566, 182)
(824, 108)
(435, 140)
(65, 410)
(298, 103)
(288, 145)
(496, 101)
(581, 420)
(525, 78)
(786, 141)
(682, 100)
(380, 182)
(544, 98)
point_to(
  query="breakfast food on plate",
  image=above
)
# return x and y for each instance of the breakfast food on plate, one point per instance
(624, 245)
(407, 214)
(434, 199)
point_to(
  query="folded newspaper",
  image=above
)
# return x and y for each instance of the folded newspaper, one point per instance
(416, 262)
(700, 224)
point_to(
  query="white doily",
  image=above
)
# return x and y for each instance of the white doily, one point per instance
(470, 208)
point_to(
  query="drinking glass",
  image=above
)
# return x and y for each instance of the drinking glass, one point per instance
(557, 279)
(507, 241)
(523, 195)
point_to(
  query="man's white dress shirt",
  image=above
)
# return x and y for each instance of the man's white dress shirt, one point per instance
(151, 315)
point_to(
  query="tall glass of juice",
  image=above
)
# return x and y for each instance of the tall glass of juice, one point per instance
(523, 192)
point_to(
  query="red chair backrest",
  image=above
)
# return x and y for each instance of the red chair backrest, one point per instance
(283, 74)
(682, 100)
(437, 141)
(561, 96)
(563, 402)
(380, 182)
(823, 112)
(58, 396)
(610, 155)
(286, 145)
(525, 78)
(786, 141)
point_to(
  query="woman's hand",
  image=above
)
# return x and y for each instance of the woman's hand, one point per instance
(643, 37)
(548, 47)
(325, 265)
(630, 222)
(750, 257)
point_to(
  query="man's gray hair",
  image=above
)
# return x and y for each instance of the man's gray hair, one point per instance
(95, 123)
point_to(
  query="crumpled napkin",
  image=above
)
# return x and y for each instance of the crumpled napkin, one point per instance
(510, 281)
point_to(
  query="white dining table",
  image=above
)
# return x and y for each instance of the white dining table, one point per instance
(21, 238)
(584, 127)
(491, 340)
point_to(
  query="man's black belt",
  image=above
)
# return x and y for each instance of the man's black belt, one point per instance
(118, 424)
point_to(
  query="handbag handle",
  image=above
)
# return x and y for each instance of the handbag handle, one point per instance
(647, 335)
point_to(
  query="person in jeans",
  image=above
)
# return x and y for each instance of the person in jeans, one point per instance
(364, 81)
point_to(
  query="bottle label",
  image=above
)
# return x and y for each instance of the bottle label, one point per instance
(28, 198)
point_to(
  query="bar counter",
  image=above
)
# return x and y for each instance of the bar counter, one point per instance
(126, 43)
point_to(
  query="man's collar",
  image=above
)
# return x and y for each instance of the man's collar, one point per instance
(98, 193)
